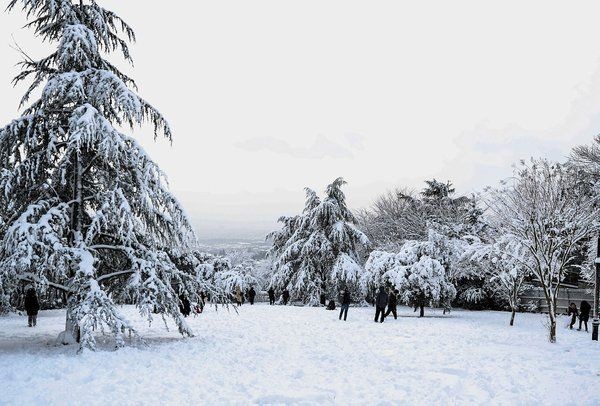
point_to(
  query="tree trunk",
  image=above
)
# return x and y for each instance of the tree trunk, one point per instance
(422, 311)
(552, 326)
(77, 215)
(512, 317)
(71, 333)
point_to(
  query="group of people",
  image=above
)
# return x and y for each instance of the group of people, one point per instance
(285, 296)
(583, 313)
(239, 296)
(385, 303)
(384, 299)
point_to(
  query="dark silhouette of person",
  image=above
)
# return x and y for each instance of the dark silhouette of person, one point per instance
(393, 304)
(381, 302)
(32, 307)
(286, 296)
(251, 295)
(184, 306)
(573, 313)
(584, 314)
(345, 304)
(271, 292)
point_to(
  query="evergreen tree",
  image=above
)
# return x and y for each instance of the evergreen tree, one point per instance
(317, 252)
(437, 191)
(86, 210)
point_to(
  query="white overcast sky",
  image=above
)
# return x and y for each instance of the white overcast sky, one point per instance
(267, 97)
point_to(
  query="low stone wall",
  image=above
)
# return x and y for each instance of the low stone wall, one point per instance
(535, 299)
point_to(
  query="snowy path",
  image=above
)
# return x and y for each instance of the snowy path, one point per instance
(283, 355)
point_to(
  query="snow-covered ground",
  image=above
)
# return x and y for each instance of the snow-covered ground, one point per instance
(295, 355)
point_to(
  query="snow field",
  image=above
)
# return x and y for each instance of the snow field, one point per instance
(304, 355)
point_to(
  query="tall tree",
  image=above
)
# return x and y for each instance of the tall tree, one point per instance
(318, 252)
(89, 212)
(544, 210)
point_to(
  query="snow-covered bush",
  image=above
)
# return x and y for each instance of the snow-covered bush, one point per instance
(505, 263)
(316, 253)
(84, 209)
(401, 216)
(418, 271)
(255, 269)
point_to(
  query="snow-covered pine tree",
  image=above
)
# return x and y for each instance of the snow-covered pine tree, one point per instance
(419, 271)
(87, 211)
(317, 252)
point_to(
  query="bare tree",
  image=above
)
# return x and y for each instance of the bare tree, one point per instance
(503, 260)
(543, 210)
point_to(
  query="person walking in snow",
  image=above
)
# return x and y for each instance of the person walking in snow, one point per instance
(238, 296)
(573, 313)
(202, 301)
(286, 296)
(381, 302)
(345, 300)
(32, 307)
(584, 314)
(393, 304)
(251, 295)
(271, 292)
(184, 306)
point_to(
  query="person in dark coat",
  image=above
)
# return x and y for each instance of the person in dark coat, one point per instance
(393, 304)
(271, 292)
(573, 313)
(286, 296)
(251, 295)
(202, 301)
(184, 306)
(32, 307)
(380, 302)
(584, 314)
(345, 304)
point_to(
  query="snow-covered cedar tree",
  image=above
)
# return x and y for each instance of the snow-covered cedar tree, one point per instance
(418, 271)
(543, 210)
(504, 261)
(86, 211)
(316, 253)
